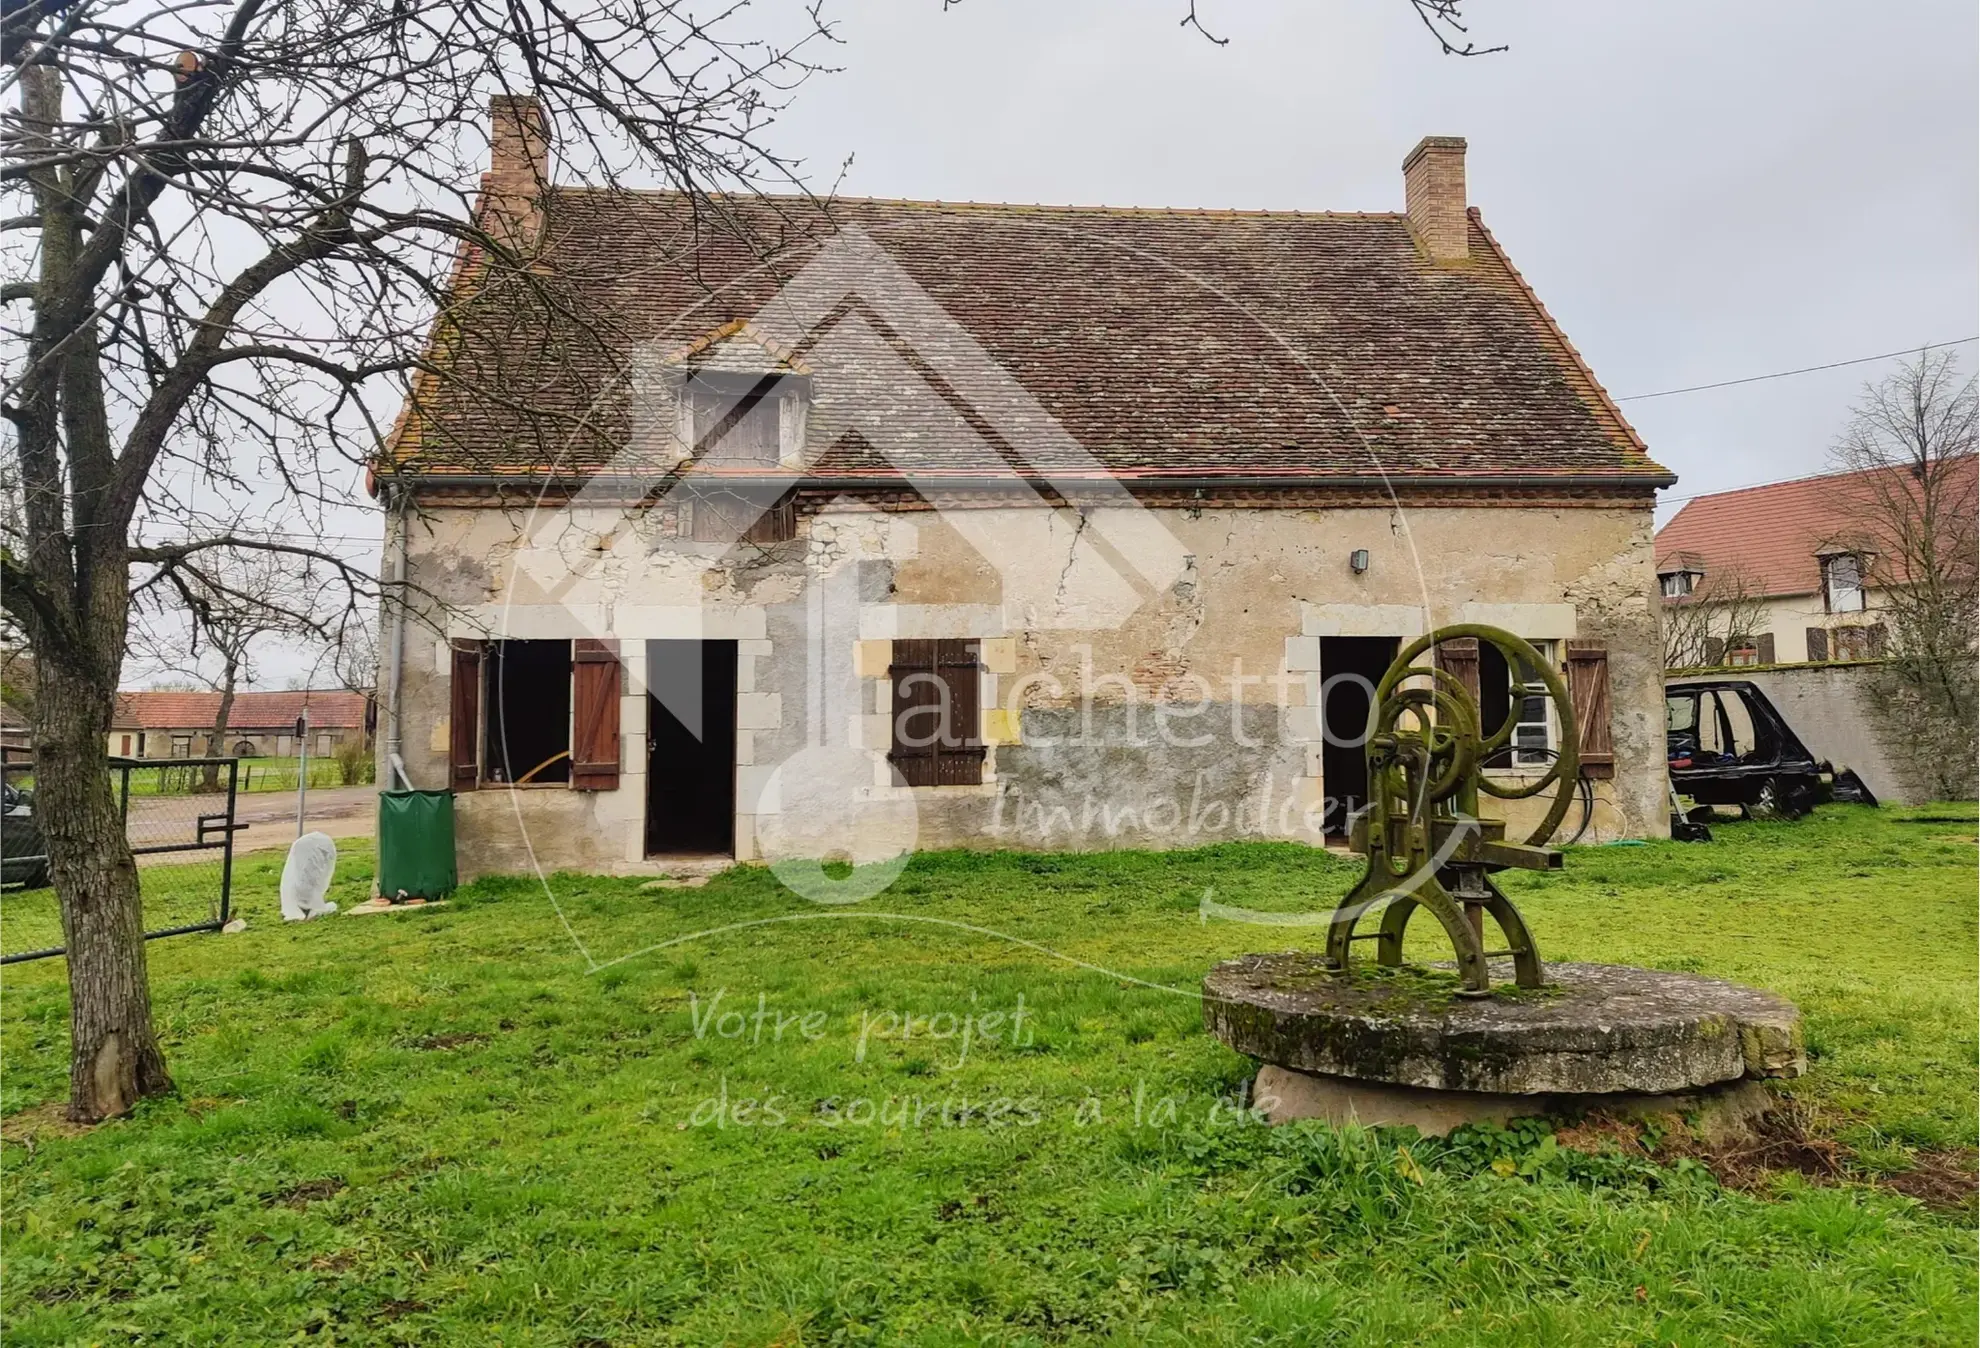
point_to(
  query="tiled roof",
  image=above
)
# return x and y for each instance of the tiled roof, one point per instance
(1774, 533)
(1166, 343)
(329, 709)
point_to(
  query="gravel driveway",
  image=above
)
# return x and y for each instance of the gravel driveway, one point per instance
(270, 816)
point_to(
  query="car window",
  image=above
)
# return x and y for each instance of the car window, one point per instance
(1744, 740)
(1725, 727)
(1680, 711)
(1711, 739)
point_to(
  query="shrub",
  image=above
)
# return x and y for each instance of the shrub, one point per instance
(355, 764)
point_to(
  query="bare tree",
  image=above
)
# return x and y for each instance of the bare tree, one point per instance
(229, 228)
(215, 615)
(354, 656)
(17, 681)
(1913, 522)
(1725, 610)
(238, 233)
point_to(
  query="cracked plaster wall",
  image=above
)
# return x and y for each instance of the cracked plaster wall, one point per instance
(1111, 734)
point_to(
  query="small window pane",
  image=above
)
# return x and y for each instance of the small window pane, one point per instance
(1844, 576)
(1680, 713)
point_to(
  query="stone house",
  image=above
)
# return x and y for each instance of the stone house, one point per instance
(1794, 566)
(802, 532)
(165, 724)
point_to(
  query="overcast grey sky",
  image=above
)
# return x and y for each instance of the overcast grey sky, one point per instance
(1698, 191)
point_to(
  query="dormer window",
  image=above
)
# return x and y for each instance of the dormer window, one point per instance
(737, 418)
(1680, 574)
(1842, 583)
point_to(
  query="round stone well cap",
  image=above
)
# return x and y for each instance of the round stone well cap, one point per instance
(1594, 1029)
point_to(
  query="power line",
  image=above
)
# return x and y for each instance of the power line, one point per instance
(1806, 369)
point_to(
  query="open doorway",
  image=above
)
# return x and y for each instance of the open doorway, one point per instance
(1350, 667)
(690, 747)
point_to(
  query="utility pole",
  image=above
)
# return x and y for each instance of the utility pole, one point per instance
(302, 771)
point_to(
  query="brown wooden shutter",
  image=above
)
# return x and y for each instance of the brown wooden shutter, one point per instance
(1763, 646)
(912, 679)
(923, 674)
(961, 760)
(595, 719)
(465, 714)
(1818, 643)
(777, 523)
(1715, 650)
(1588, 690)
(1459, 656)
(1874, 639)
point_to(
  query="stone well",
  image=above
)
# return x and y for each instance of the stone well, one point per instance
(1398, 1046)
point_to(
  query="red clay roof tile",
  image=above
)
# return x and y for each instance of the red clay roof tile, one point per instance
(1773, 533)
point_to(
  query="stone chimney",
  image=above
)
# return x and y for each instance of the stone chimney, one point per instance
(518, 170)
(1433, 185)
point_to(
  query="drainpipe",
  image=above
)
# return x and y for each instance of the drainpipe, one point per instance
(396, 651)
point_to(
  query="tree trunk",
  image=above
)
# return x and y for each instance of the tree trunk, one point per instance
(216, 742)
(114, 1055)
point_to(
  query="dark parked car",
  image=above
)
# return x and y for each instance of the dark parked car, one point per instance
(23, 856)
(1729, 746)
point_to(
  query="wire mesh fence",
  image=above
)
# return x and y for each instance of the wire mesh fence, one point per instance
(189, 776)
(183, 843)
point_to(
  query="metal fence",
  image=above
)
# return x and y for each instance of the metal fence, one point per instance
(184, 845)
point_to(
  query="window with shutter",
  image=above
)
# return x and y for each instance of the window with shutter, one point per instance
(527, 694)
(752, 516)
(596, 681)
(736, 418)
(1859, 642)
(465, 716)
(936, 711)
(1459, 656)
(1842, 583)
(1588, 690)
(1519, 695)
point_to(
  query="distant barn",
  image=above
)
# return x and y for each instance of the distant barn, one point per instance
(259, 725)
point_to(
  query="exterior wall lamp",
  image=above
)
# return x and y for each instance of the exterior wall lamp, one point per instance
(1358, 560)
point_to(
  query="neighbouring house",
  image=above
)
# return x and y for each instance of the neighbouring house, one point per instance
(15, 740)
(766, 529)
(157, 724)
(1779, 574)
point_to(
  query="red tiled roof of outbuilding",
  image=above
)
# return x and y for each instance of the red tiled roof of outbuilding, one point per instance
(329, 709)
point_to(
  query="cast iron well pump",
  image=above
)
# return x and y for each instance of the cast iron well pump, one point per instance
(1425, 844)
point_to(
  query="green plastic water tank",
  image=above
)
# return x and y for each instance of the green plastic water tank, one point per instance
(416, 844)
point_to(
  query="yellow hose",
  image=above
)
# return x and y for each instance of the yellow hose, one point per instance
(561, 753)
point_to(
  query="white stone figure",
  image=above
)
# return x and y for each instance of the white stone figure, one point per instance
(306, 877)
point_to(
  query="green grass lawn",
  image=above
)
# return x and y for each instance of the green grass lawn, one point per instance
(255, 774)
(446, 1126)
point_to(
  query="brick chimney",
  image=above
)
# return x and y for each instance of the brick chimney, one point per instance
(518, 170)
(1433, 185)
